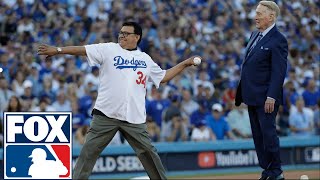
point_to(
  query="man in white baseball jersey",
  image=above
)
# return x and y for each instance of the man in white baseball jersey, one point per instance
(120, 105)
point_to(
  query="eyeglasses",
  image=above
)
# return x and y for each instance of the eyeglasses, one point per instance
(125, 34)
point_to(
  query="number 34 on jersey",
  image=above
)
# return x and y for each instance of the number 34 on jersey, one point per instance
(141, 79)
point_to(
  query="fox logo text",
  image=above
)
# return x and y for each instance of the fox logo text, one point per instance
(37, 145)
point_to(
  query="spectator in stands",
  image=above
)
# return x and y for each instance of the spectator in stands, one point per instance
(228, 95)
(93, 94)
(17, 84)
(87, 100)
(28, 99)
(199, 114)
(202, 132)
(173, 125)
(311, 95)
(35, 79)
(301, 119)
(80, 134)
(216, 121)
(157, 106)
(175, 130)
(317, 119)
(209, 97)
(62, 103)
(44, 105)
(204, 81)
(93, 76)
(282, 122)
(72, 92)
(239, 122)
(188, 105)
(292, 77)
(290, 96)
(200, 92)
(80, 86)
(221, 75)
(14, 104)
(46, 89)
(153, 130)
(62, 87)
(173, 110)
(78, 119)
(5, 94)
(46, 68)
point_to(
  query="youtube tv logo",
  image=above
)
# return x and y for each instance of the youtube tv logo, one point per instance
(206, 159)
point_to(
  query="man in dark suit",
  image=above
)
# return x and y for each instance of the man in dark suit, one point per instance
(263, 72)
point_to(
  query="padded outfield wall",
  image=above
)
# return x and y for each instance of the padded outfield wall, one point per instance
(192, 158)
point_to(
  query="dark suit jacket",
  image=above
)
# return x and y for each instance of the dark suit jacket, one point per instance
(263, 70)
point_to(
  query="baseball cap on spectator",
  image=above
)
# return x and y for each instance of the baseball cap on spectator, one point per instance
(175, 98)
(201, 123)
(204, 104)
(308, 74)
(217, 107)
(27, 83)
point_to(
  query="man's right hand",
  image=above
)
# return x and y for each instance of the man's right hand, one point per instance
(45, 49)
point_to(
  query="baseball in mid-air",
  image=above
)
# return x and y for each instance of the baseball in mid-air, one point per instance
(196, 61)
(304, 177)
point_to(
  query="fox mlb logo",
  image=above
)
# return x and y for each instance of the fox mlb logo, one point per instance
(37, 145)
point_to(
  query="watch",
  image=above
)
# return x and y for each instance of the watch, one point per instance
(59, 50)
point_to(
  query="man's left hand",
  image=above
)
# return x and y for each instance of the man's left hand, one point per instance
(269, 105)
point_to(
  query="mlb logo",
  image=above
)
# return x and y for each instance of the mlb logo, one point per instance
(37, 145)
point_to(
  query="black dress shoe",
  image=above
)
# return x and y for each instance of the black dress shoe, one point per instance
(280, 177)
(263, 178)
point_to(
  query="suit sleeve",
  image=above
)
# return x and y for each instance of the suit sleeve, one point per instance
(278, 68)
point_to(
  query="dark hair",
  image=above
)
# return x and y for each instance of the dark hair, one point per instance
(137, 28)
(19, 106)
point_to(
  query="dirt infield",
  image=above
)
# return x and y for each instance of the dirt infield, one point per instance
(312, 174)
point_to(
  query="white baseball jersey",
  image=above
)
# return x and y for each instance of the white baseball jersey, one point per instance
(123, 76)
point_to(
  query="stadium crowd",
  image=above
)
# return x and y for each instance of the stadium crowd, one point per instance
(197, 105)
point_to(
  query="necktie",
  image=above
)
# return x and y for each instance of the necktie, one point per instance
(255, 42)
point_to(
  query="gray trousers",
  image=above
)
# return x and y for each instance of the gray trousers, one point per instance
(101, 132)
